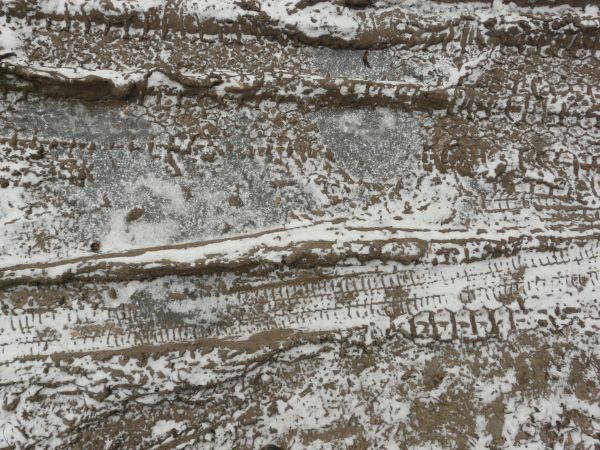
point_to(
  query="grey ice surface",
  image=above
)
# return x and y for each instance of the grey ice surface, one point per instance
(194, 206)
(76, 121)
(236, 193)
(349, 63)
(376, 145)
(391, 64)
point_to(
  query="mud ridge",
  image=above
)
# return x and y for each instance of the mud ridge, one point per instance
(209, 257)
(393, 27)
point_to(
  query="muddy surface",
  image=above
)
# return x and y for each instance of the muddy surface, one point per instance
(311, 224)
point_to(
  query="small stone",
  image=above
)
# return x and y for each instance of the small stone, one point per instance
(135, 214)
(235, 201)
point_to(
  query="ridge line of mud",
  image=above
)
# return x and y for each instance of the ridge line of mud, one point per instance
(86, 85)
(252, 20)
(315, 246)
(286, 87)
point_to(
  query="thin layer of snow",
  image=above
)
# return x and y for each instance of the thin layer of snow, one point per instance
(10, 37)
(160, 80)
(164, 426)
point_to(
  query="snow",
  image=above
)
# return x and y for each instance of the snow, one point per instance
(164, 426)
(160, 80)
(447, 288)
(10, 37)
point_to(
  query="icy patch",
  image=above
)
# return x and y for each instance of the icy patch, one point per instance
(123, 236)
(61, 119)
(378, 145)
(236, 192)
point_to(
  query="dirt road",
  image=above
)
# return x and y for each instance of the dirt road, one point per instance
(314, 224)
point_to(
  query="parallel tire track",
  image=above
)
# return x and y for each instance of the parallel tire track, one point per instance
(471, 301)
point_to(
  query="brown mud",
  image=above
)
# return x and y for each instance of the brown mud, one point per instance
(449, 303)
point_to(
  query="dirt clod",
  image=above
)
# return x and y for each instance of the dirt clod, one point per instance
(135, 214)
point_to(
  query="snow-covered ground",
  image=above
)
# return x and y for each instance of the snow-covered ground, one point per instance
(225, 224)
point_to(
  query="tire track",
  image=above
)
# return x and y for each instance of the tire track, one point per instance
(442, 304)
